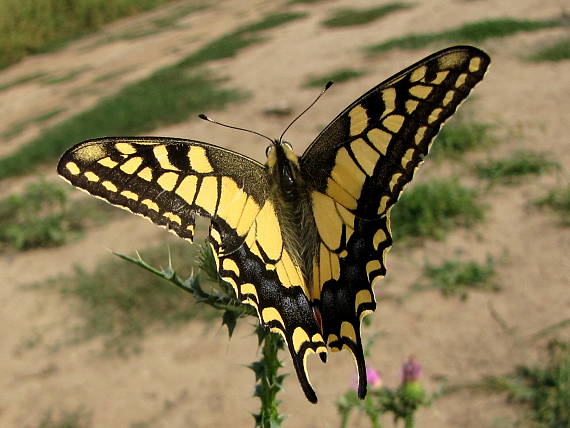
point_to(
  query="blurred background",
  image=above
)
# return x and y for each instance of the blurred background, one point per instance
(478, 280)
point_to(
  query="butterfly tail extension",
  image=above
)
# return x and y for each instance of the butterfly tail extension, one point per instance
(265, 278)
(300, 346)
(348, 297)
(348, 337)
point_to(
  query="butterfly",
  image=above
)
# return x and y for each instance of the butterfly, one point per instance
(301, 239)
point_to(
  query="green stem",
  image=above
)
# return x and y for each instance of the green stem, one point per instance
(269, 382)
(375, 421)
(344, 417)
(409, 421)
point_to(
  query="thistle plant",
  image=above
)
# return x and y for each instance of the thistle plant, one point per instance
(219, 295)
(402, 402)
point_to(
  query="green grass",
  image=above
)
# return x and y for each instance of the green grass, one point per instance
(457, 278)
(225, 46)
(119, 301)
(112, 75)
(352, 17)
(34, 26)
(43, 216)
(271, 21)
(22, 125)
(458, 137)
(230, 44)
(337, 76)
(66, 77)
(521, 163)
(182, 10)
(145, 29)
(169, 96)
(558, 200)
(430, 210)
(475, 32)
(21, 80)
(307, 1)
(36, 218)
(132, 34)
(66, 419)
(543, 390)
(557, 51)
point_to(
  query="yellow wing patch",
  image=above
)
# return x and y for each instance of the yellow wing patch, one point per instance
(268, 236)
(208, 194)
(199, 161)
(187, 188)
(131, 165)
(380, 139)
(347, 173)
(358, 120)
(168, 180)
(365, 155)
(72, 168)
(329, 224)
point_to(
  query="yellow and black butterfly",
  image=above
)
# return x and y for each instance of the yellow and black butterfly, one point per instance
(302, 239)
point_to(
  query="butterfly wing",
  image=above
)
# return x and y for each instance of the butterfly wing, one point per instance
(169, 181)
(359, 165)
(264, 275)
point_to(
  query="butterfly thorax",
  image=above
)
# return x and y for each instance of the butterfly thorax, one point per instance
(292, 200)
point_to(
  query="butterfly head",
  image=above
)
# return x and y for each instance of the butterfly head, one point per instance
(283, 166)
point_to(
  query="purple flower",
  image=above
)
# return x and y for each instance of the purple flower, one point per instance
(410, 390)
(411, 371)
(373, 379)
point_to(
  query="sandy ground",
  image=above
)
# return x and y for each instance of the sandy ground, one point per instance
(193, 377)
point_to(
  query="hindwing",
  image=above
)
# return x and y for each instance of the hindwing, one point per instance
(359, 165)
(263, 274)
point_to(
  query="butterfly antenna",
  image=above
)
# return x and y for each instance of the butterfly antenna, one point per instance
(209, 119)
(327, 85)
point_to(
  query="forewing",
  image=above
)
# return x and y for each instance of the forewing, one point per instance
(170, 180)
(366, 156)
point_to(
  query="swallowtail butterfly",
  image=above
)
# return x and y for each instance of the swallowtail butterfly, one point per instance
(302, 239)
